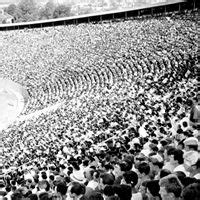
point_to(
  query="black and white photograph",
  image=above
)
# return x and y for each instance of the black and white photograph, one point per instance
(99, 100)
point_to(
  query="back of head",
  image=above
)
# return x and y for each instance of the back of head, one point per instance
(62, 188)
(108, 190)
(124, 192)
(188, 180)
(33, 197)
(107, 179)
(44, 196)
(178, 155)
(96, 196)
(16, 196)
(153, 187)
(131, 178)
(172, 185)
(78, 188)
(144, 168)
(191, 192)
(181, 175)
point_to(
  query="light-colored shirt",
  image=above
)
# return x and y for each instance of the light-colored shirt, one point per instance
(182, 169)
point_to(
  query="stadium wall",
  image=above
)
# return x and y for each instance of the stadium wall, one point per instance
(161, 8)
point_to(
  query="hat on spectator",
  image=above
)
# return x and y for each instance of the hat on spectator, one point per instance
(156, 158)
(190, 158)
(191, 141)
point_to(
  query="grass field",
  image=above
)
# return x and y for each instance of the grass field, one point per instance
(11, 103)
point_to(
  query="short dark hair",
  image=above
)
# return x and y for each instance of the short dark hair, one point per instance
(131, 178)
(178, 155)
(188, 180)
(153, 187)
(62, 188)
(95, 196)
(191, 192)
(33, 197)
(75, 165)
(172, 184)
(164, 172)
(144, 167)
(107, 179)
(123, 191)
(16, 196)
(194, 147)
(108, 190)
(78, 188)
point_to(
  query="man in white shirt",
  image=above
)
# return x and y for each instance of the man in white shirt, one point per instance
(177, 160)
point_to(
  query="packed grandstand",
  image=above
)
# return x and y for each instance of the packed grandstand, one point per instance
(108, 113)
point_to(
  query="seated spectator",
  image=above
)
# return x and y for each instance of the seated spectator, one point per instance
(170, 188)
(130, 178)
(181, 175)
(76, 191)
(177, 160)
(188, 180)
(168, 165)
(191, 192)
(124, 192)
(143, 173)
(191, 144)
(195, 169)
(108, 192)
(106, 179)
(156, 165)
(153, 189)
(164, 172)
(96, 196)
(77, 174)
(191, 162)
(33, 197)
(92, 177)
(61, 189)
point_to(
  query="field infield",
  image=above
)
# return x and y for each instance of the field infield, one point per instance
(13, 99)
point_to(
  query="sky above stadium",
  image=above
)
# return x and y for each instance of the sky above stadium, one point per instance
(59, 1)
(5, 3)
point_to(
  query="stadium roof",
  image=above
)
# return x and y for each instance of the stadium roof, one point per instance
(92, 15)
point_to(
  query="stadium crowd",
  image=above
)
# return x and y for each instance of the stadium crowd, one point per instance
(123, 135)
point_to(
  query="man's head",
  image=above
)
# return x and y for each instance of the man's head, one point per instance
(191, 143)
(88, 173)
(191, 192)
(106, 179)
(176, 157)
(76, 190)
(130, 177)
(191, 161)
(143, 169)
(156, 163)
(61, 188)
(170, 187)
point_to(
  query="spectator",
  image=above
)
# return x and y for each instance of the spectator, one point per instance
(170, 187)
(143, 173)
(191, 192)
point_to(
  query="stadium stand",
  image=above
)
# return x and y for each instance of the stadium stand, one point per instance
(108, 114)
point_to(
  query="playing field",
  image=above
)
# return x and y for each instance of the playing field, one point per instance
(12, 102)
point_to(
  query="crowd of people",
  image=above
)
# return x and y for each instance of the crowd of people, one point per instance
(122, 130)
